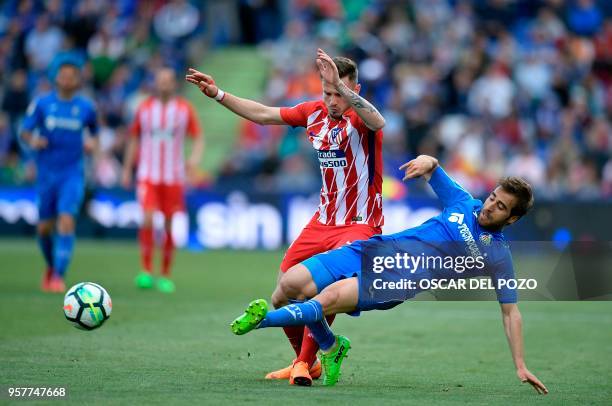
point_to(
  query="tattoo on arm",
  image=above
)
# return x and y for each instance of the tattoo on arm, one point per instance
(355, 100)
(364, 109)
(360, 102)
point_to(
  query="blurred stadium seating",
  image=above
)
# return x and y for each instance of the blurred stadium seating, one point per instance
(493, 87)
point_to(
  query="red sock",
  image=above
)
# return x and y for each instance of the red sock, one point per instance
(168, 253)
(295, 334)
(145, 237)
(308, 354)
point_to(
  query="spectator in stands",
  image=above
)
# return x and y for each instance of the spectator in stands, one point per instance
(453, 77)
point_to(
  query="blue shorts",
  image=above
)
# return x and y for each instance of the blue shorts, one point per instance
(342, 263)
(59, 194)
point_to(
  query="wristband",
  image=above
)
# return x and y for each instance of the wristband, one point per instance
(220, 95)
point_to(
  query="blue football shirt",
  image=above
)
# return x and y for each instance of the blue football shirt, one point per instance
(63, 123)
(456, 232)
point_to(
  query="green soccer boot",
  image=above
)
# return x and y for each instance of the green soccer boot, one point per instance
(144, 280)
(252, 316)
(165, 285)
(332, 360)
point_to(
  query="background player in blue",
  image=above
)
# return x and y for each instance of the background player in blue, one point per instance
(54, 129)
(331, 280)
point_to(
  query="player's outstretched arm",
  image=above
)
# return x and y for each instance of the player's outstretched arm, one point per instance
(513, 326)
(364, 109)
(423, 165)
(249, 109)
(448, 191)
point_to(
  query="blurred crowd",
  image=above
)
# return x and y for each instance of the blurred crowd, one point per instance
(120, 44)
(492, 87)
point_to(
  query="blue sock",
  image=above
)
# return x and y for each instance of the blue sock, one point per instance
(64, 244)
(45, 242)
(322, 334)
(297, 314)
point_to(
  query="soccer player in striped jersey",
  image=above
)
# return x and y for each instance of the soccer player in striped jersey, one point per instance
(157, 136)
(345, 131)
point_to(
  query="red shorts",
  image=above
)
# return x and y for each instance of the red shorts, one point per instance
(316, 238)
(168, 199)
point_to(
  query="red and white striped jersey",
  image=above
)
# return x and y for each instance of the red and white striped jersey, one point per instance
(350, 158)
(161, 129)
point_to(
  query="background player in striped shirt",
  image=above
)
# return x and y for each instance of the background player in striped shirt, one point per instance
(157, 137)
(346, 132)
(54, 128)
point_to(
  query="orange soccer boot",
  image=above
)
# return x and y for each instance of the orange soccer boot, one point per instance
(285, 373)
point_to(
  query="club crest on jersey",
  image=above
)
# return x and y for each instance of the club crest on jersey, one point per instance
(485, 239)
(334, 135)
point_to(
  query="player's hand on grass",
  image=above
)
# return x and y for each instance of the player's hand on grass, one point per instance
(39, 143)
(204, 82)
(327, 68)
(421, 165)
(527, 377)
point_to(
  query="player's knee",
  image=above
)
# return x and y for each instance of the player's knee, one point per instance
(279, 299)
(291, 287)
(147, 219)
(65, 224)
(329, 298)
(45, 228)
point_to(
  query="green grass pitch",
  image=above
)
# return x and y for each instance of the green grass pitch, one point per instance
(158, 349)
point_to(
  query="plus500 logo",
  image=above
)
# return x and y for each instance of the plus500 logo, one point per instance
(332, 158)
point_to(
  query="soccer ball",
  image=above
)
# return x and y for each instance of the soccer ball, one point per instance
(87, 305)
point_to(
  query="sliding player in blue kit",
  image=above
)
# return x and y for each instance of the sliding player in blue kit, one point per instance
(54, 128)
(466, 228)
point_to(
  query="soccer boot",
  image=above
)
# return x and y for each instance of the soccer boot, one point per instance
(165, 285)
(315, 369)
(46, 279)
(144, 280)
(252, 316)
(332, 361)
(285, 373)
(300, 374)
(56, 284)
